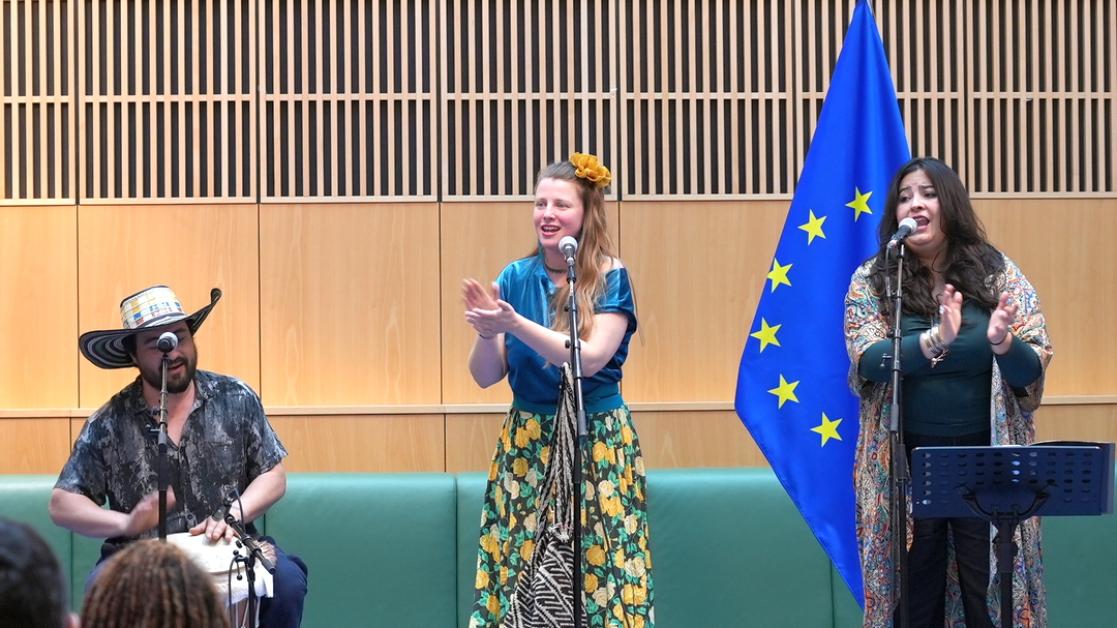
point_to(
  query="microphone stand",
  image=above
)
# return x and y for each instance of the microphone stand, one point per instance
(574, 344)
(253, 554)
(162, 475)
(900, 477)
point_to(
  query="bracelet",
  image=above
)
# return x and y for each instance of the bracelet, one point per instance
(1008, 336)
(483, 337)
(933, 342)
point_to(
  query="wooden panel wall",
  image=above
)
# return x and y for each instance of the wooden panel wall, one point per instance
(192, 248)
(347, 317)
(38, 307)
(338, 167)
(349, 297)
(1064, 247)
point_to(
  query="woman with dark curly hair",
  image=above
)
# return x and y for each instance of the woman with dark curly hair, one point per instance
(975, 350)
(152, 584)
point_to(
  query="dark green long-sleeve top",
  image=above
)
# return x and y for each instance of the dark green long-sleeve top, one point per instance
(952, 398)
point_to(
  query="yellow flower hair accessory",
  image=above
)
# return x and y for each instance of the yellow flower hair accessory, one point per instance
(587, 167)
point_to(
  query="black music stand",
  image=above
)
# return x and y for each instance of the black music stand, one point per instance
(1006, 485)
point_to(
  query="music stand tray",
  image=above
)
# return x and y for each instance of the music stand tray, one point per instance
(1005, 485)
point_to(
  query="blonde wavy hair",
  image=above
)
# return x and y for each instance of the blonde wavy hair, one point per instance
(595, 249)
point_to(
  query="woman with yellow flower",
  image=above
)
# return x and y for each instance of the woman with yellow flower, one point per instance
(522, 332)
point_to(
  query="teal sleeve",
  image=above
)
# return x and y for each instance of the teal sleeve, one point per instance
(1020, 366)
(618, 297)
(874, 367)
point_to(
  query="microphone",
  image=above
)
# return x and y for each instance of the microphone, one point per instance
(907, 226)
(167, 342)
(568, 246)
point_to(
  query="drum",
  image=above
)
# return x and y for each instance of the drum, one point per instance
(217, 559)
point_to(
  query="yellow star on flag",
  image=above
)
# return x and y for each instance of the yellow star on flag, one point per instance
(785, 391)
(813, 227)
(767, 334)
(827, 429)
(860, 203)
(778, 274)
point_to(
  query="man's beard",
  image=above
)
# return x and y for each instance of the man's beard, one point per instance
(176, 382)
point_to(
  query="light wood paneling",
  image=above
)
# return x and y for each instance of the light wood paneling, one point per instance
(350, 304)
(696, 439)
(1065, 248)
(1077, 422)
(38, 307)
(465, 442)
(479, 240)
(34, 445)
(471, 441)
(698, 269)
(382, 443)
(123, 249)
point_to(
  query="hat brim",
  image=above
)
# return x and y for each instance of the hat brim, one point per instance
(105, 348)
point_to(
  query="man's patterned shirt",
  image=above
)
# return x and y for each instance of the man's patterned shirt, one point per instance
(226, 442)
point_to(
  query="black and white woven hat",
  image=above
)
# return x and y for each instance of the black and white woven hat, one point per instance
(149, 308)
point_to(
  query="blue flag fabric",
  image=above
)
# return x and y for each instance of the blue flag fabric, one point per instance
(792, 393)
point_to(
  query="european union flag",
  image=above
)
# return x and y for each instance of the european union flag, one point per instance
(791, 389)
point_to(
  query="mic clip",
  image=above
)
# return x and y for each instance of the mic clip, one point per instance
(243, 537)
(248, 542)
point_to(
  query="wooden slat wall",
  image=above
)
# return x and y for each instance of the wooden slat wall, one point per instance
(348, 100)
(167, 100)
(37, 146)
(707, 99)
(524, 84)
(453, 100)
(1042, 109)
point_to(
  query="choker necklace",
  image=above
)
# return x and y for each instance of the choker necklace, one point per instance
(553, 270)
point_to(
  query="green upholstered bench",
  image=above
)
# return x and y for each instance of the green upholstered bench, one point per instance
(380, 548)
(728, 549)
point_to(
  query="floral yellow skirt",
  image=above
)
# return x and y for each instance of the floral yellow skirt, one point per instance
(616, 561)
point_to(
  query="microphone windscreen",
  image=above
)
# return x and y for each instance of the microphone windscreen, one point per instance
(568, 243)
(167, 342)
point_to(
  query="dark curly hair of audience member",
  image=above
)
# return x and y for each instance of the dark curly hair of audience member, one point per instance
(151, 584)
(32, 590)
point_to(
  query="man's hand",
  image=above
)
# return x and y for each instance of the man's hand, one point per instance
(215, 529)
(145, 515)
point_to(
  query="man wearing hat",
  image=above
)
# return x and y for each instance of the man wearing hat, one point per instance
(220, 444)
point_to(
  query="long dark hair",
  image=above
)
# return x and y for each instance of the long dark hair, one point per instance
(967, 261)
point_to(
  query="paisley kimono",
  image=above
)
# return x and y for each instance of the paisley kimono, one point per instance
(1010, 422)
